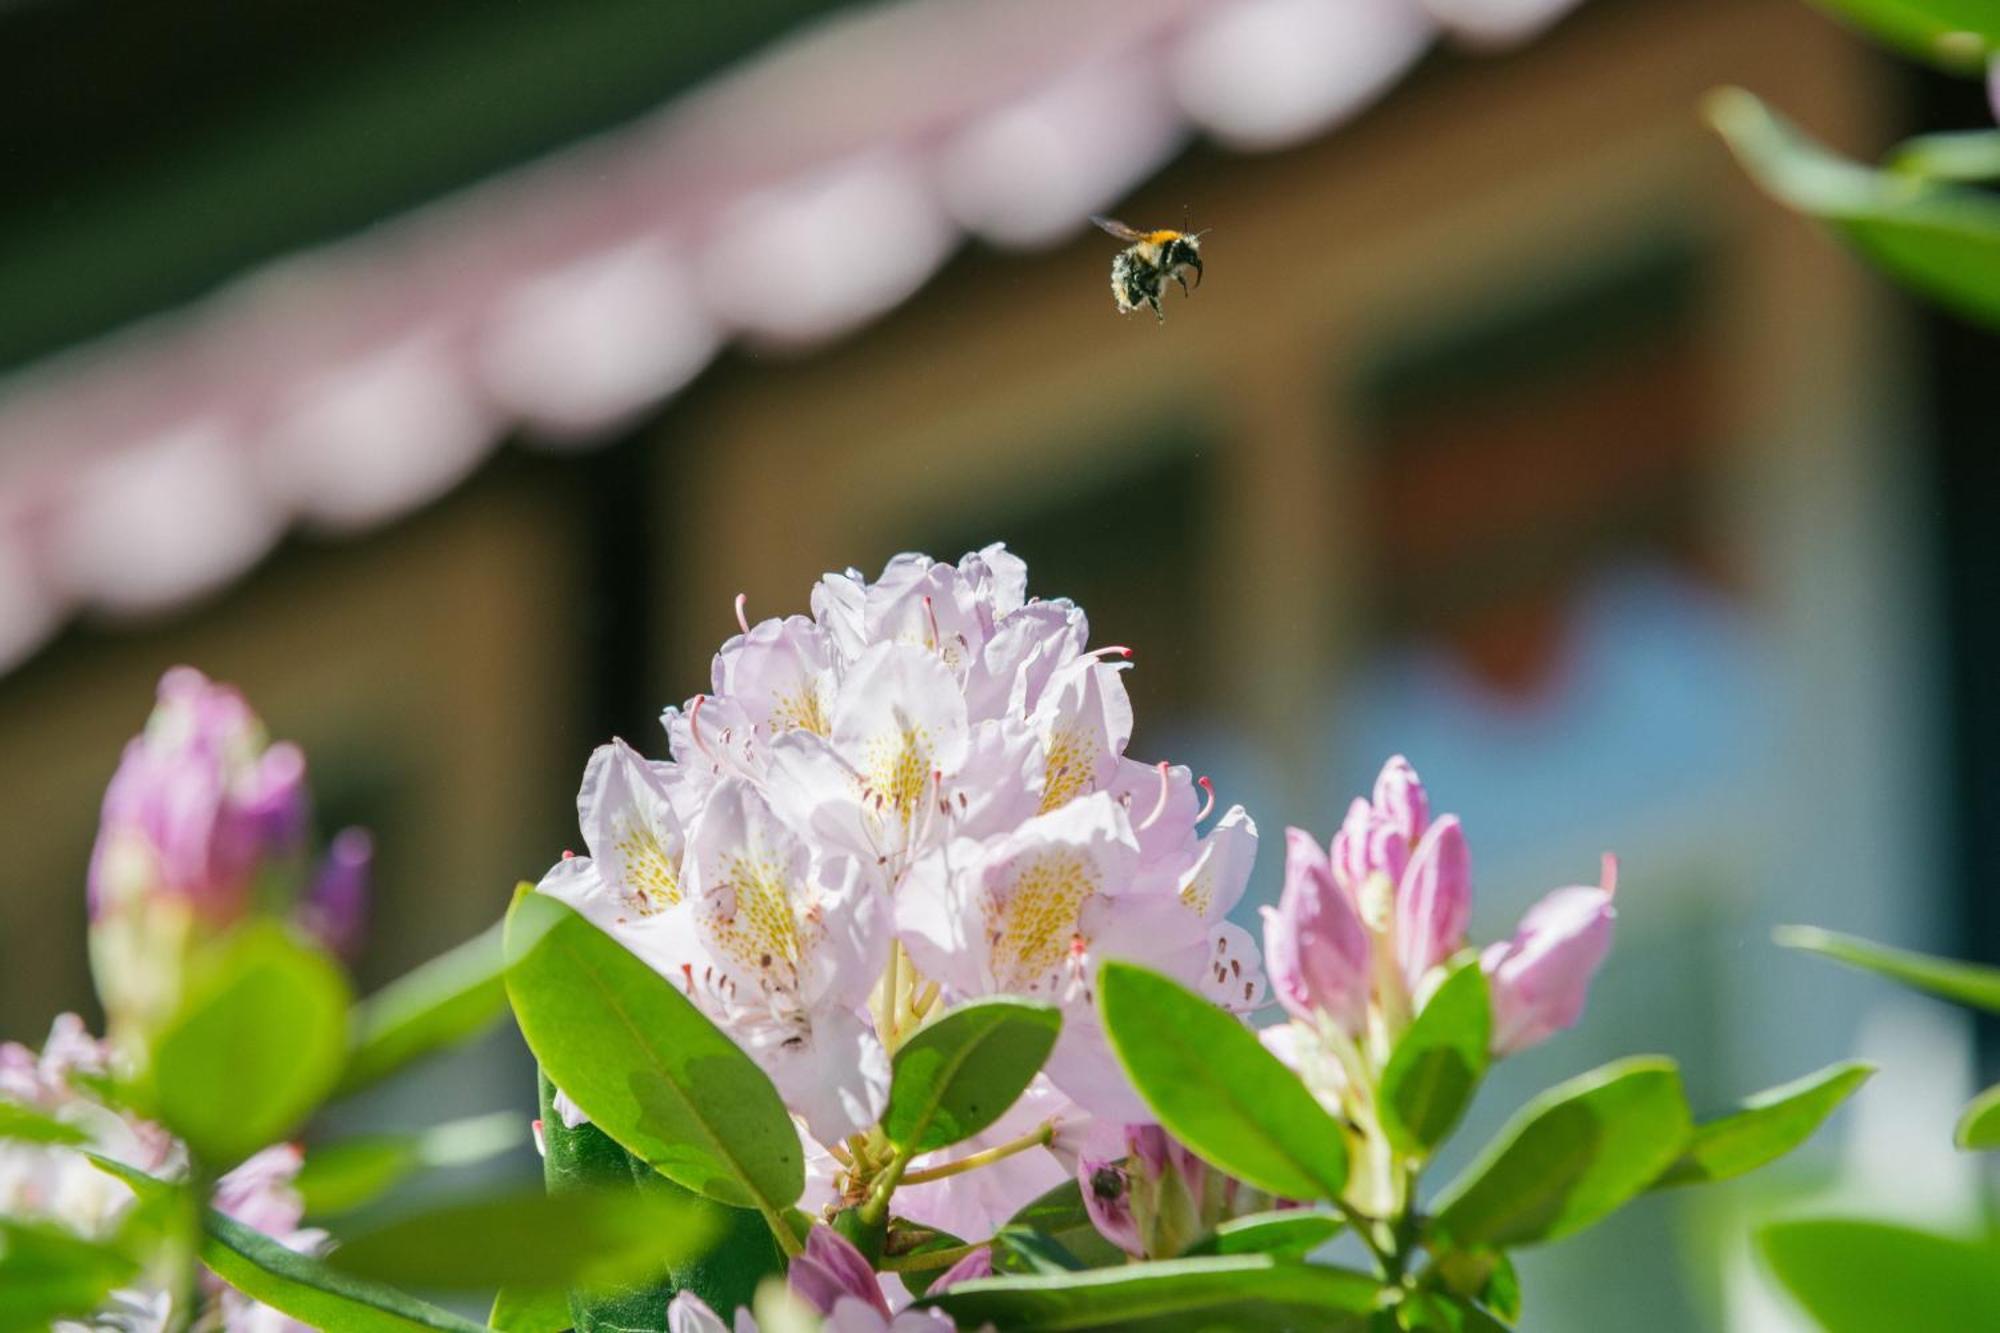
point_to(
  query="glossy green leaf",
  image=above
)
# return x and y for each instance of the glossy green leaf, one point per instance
(1483, 1276)
(296, 1284)
(23, 1125)
(921, 1254)
(1290, 1233)
(254, 1049)
(451, 999)
(645, 1065)
(1438, 1062)
(312, 1292)
(1432, 1312)
(47, 1273)
(1212, 1083)
(578, 1238)
(1502, 1292)
(1025, 1250)
(1060, 1215)
(519, 1310)
(1941, 239)
(1971, 156)
(959, 1073)
(1979, 1124)
(1765, 1127)
(1868, 1277)
(341, 1176)
(1571, 1156)
(1241, 1293)
(726, 1277)
(1967, 983)
(1959, 35)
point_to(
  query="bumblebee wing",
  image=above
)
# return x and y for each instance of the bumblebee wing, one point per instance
(1119, 229)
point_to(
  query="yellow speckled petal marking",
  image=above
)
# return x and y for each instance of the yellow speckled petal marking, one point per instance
(1033, 921)
(896, 769)
(652, 880)
(764, 928)
(799, 712)
(1072, 766)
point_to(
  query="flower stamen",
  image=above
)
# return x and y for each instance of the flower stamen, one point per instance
(742, 620)
(1209, 804)
(694, 726)
(1159, 806)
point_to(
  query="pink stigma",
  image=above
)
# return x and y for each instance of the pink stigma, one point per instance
(1610, 873)
(742, 621)
(930, 613)
(568, 855)
(1118, 648)
(1159, 806)
(1209, 804)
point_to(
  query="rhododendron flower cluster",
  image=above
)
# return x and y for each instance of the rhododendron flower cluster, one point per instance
(1364, 930)
(206, 821)
(58, 1184)
(916, 795)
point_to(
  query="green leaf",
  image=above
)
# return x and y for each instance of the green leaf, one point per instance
(726, 1277)
(1060, 1215)
(1241, 1292)
(1215, 1087)
(1979, 1124)
(341, 1176)
(1959, 35)
(1430, 1312)
(309, 1290)
(1569, 1157)
(1438, 1062)
(517, 1310)
(1971, 156)
(960, 1072)
(1766, 1127)
(1485, 1276)
(47, 1273)
(645, 1065)
(1864, 1277)
(1034, 1252)
(576, 1238)
(23, 1125)
(1967, 983)
(299, 1285)
(451, 999)
(1290, 1233)
(1943, 240)
(254, 1049)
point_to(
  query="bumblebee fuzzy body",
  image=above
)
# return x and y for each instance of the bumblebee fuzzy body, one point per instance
(1141, 270)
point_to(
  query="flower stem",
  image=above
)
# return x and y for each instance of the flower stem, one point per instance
(925, 1260)
(1040, 1137)
(876, 1206)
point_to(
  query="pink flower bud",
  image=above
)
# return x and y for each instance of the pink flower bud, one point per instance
(1433, 901)
(1366, 846)
(336, 908)
(1107, 1198)
(200, 802)
(1540, 978)
(832, 1270)
(1315, 945)
(1400, 799)
(973, 1266)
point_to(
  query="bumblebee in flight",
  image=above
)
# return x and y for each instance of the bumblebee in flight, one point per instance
(1144, 265)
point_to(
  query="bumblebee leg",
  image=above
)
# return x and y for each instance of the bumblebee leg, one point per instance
(1181, 278)
(1158, 313)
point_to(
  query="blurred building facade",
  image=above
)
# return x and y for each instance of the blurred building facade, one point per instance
(1515, 434)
